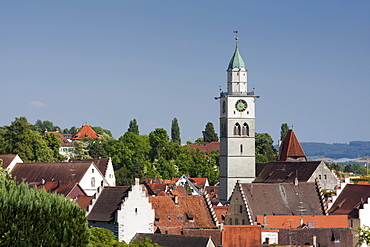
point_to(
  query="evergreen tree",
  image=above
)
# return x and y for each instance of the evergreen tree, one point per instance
(175, 131)
(133, 127)
(209, 134)
(31, 217)
(265, 151)
(283, 131)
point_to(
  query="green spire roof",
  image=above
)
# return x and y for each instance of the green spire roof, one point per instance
(237, 60)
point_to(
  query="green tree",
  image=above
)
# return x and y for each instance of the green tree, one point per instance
(139, 242)
(363, 235)
(209, 134)
(18, 138)
(283, 131)
(158, 140)
(80, 151)
(53, 143)
(175, 131)
(101, 237)
(96, 148)
(39, 218)
(104, 133)
(265, 151)
(133, 127)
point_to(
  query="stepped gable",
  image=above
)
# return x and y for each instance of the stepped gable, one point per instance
(63, 141)
(177, 212)
(284, 172)
(291, 149)
(282, 199)
(7, 159)
(350, 200)
(101, 164)
(50, 171)
(84, 132)
(107, 203)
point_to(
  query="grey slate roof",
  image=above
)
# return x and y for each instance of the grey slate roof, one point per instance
(107, 203)
(282, 199)
(285, 172)
(50, 171)
(169, 240)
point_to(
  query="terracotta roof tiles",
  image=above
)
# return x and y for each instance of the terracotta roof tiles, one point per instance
(84, 132)
(206, 147)
(291, 149)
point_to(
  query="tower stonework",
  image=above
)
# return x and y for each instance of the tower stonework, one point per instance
(237, 129)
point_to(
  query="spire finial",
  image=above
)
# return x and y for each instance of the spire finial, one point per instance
(236, 35)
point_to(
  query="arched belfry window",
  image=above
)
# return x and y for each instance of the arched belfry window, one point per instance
(237, 129)
(245, 130)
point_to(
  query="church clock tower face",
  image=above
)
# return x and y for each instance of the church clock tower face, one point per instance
(237, 129)
(241, 105)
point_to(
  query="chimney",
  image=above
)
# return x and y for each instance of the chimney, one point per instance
(301, 222)
(296, 181)
(264, 220)
(137, 181)
(176, 199)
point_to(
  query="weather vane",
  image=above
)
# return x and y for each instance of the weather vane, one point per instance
(236, 34)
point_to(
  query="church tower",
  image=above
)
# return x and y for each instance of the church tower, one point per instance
(237, 129)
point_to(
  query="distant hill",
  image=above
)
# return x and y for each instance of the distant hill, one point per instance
(336, 150)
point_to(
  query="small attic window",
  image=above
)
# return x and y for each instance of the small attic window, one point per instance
(92, 170)
(169, 218)
(156, 218)
(180, 218)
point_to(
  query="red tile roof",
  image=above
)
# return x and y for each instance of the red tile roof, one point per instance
(188, 212)
(206, 146)
(84, 201)
(294, 221)
(7, 159)
(241, 235)
(291, 149)
(84, 132)
(70, 189)
(220, 212)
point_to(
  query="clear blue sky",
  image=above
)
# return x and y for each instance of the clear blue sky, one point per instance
(107, 62)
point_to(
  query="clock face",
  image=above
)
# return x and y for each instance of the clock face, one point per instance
(241, 105)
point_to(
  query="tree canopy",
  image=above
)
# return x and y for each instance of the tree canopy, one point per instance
(19, 138)
(31, 217)
(133, 127)
(283, 131)
(175, 131)
(209, 134)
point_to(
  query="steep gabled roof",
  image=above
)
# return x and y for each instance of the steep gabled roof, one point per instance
(84, 201)
(285, 172)
(7, 159)
(282, 199)
(189, 211)
(107, 203)
(50, 171)
(291, 149)
(350, 200)
(101, 164)
(169, 240)
(84, 132)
